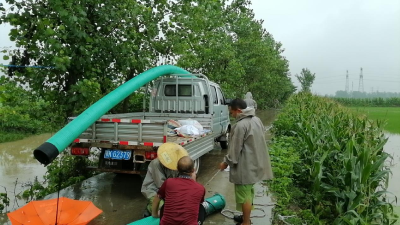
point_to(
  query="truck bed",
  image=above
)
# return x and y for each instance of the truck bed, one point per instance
(139, 129)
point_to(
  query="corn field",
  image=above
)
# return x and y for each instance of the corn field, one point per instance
(329, 165)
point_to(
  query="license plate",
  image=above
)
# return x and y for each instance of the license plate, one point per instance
(117, 154)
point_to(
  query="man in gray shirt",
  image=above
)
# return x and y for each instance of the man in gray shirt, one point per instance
(247, 157)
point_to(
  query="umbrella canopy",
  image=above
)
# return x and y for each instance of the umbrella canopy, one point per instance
(71, 212)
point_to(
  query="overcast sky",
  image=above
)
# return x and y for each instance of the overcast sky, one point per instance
(330, 37)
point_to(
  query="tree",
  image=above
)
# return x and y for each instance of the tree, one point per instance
(92, 45)
(226, 42)
(203, 44)
(306, 79)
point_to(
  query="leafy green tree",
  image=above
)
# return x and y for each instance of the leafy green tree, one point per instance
(224, 41)
(95, 44)
(203, 44)
(306, 79)
(22, 112)
(260, 57)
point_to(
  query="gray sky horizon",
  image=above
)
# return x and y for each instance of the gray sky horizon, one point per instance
(329, 38)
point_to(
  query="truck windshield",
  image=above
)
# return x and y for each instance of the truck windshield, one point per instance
(183, 90)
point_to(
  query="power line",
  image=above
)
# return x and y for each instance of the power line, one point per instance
(36, 67)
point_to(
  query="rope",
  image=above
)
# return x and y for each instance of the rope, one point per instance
(36, 67)
(283, 218)
(225, 212)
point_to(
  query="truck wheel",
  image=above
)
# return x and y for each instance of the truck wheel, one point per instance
(197, 165)
(224, 144)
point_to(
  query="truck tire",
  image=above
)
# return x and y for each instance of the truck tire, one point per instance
(224, 144)
(197, 165)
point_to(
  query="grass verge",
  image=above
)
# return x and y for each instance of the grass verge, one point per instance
(7, 136)
(390, 115)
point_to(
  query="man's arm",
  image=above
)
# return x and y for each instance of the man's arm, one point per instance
(156, 203)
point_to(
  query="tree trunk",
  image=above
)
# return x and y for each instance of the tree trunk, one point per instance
(125, 104)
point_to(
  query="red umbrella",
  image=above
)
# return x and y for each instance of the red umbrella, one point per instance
(71, 212)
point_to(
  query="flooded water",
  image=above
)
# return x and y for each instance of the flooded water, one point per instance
(393, 148)
(119, 195)
(18, 166)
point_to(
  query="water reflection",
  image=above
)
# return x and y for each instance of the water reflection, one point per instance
(267, 116)
(393, 148)
(119, 195)
(114, 194)
(17, 164)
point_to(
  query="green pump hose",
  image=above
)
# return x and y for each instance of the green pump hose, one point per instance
(49, 150)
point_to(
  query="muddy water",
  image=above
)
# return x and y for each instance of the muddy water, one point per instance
(17, 167)
(119, 195)
(17, 162)
(393, 148)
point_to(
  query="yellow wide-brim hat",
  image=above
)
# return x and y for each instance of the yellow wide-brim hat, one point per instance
(170, 153)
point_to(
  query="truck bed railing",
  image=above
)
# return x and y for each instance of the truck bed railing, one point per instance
(125, 132)
(135, 132)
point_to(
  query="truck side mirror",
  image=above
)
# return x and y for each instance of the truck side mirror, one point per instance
(228, 101)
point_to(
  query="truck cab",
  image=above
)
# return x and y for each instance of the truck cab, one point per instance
(191, 95)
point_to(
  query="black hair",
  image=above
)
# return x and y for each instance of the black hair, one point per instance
(185, 165)
(238, 103)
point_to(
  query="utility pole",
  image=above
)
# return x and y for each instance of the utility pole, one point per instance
(352, 89)
(347, 81)
(361, 82)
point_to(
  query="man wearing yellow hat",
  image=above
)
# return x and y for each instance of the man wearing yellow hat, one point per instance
(160, 169)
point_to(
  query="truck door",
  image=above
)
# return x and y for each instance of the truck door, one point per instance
(217, 110)
(224, 110)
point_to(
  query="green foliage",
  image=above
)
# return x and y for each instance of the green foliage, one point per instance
(65, 171)
(22, 113)
(96, 46)
(369, 102)
(337, 172)
(229, 45)
(306, 79)
(34, 192)
(4, 201)
(389, 115)
(134, 104)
